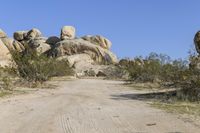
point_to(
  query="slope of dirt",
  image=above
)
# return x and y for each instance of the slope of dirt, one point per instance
(86, 106)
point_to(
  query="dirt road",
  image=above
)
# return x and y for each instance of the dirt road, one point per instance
(86, 106)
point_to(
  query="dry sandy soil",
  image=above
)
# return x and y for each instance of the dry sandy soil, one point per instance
(86, 106)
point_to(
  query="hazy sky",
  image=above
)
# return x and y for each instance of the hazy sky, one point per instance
(136, 27)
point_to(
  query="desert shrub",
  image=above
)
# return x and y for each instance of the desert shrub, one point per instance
(174, 72)
(115, 72)
(144, 69)
(190, 85)
(161, 69)
(154, 68)
(39, 68)
(7, 84)
(7, 77)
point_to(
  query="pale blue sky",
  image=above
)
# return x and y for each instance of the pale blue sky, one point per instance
(136, 27)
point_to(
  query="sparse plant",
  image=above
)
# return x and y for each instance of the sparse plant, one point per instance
(39, 68)
(161, 69)
(7, 84)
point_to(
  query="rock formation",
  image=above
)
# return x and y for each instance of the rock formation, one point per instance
(7, 45)
(67, 32)
(197, 41)
(5, 56)
(87, 54)
(80, 46)
(20, 35)
(195, 60)
(2, 34)
(98, 40)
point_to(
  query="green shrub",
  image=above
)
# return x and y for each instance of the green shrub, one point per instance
(143, 70)
(154, 68)
(190, 85)
(7, 84)
(39, 68)
(161, 69)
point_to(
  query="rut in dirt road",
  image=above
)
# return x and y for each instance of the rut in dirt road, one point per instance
(86, 106)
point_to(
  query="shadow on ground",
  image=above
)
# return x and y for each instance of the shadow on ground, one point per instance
(146, 96)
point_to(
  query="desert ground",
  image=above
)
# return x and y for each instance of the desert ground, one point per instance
(87, 106)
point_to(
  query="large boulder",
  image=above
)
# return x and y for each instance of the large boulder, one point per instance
(33, 33)
(27, 35)
(2, 34)
(5, 56)
(32, 40)
(8, 42)
(20, 35)
(80, 46)
(18, 46)
(195, 60)
(67, 32)
(12, 44)
(197, 41)
(53, 40)
(39, 45)
(82, 64)
(77, 58)
(98, 40)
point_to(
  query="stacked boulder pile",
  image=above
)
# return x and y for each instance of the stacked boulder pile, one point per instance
(6, 46)
(87, 55)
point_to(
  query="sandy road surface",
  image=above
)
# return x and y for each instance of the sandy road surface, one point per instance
(86, 106)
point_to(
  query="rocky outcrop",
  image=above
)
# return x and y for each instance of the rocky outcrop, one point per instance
(80, 62)
(5, 56)
(2, 34)
(68, 32)
(98, 40)
(97, 47)
(39, 45)
(12, 45)
(20, 35)
(33, 33)
(33, 40)
(195, 60)
(7, 46)
(77, 58)
(53, 40)
(88, 55)
(80, 46)
(197, 41)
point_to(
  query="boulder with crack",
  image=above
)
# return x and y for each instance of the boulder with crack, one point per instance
(20, 35)
(81, 63)
(5, 55)
(80, 46)
(11, 44)
(33, 40)
(98, 40)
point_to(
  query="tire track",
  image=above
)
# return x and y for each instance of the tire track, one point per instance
(66, 126)
(86, 106)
